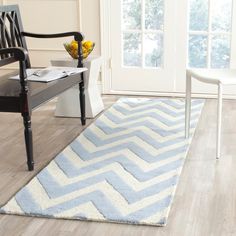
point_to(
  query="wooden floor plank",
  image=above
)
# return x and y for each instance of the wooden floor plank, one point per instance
(205, 201)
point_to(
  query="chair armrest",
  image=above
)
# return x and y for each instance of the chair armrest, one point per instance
(77, 35)
(19, 53)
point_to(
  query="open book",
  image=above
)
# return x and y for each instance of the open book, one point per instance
(50, 73)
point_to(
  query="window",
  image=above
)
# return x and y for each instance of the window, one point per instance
(209, 33)
(142, 32)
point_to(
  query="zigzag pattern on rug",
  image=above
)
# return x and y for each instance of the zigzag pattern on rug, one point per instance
(123, 168)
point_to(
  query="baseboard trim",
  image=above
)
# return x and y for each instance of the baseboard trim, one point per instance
(161, 94)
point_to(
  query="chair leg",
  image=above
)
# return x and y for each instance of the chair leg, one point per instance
(28, 141)
(82, 103)
(219, 118)
(188, 104)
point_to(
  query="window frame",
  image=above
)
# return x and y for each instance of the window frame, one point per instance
(209, 33)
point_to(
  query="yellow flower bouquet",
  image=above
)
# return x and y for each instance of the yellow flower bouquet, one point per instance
(72, 48)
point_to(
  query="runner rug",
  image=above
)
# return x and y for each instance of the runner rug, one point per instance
(123, 168)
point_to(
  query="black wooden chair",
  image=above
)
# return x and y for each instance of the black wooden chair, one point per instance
(23, 96)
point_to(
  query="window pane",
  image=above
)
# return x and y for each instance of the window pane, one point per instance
(197, 51)
(154, 14)
(132, 55)
(198, 15)
(221, 15)
(220, 54)
(132, 14)
(153, 48)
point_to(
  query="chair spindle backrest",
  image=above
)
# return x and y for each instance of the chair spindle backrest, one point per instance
(10, 32)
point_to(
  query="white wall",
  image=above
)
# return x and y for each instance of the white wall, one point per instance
(90, 22)
(52, 16)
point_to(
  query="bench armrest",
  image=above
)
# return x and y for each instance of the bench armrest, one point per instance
(77, 35)
(20, 54)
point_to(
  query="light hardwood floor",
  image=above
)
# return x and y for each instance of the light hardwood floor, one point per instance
(205, 200)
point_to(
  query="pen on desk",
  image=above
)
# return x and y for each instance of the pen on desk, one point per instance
(36, 73)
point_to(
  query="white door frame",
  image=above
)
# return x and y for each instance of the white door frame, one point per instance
(105, 19)
(233, 45)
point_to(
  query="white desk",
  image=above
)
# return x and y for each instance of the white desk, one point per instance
(68, 102)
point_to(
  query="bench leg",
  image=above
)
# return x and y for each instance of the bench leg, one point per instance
(82, 102)
(28, 141)
(188, 104)
(219, 118)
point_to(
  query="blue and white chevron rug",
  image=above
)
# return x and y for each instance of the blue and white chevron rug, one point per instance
(123, 168)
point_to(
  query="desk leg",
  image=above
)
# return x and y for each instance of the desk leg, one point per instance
(28, 141)
(82, 101)
(219, 118)
(188, 104)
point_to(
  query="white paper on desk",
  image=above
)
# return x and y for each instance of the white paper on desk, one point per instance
(50, 73)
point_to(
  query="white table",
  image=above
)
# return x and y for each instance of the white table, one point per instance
(218, 77)
(68, 102)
